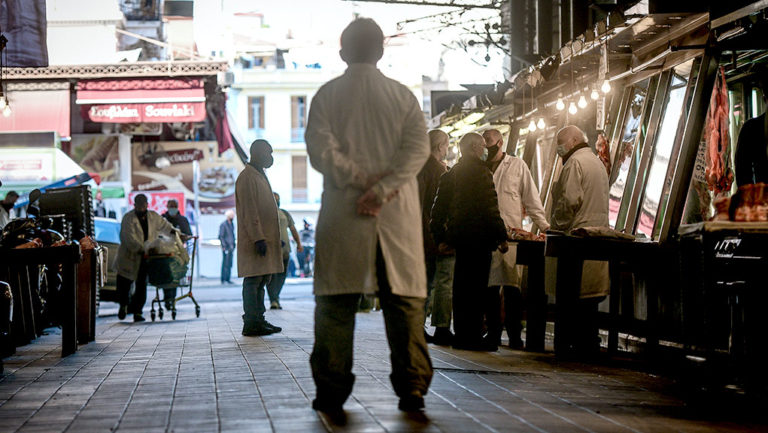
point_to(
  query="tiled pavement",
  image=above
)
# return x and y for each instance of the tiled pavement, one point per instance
(202, 375)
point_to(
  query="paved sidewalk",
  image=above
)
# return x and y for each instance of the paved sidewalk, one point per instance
(201, 375)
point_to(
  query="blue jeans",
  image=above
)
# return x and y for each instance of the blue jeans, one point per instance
(226, 265)
(442, 291)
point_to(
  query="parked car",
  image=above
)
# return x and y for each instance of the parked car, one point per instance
(108, 235)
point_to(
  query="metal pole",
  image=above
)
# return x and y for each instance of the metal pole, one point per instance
(196, 189)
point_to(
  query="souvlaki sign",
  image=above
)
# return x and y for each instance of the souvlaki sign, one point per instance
(149, 113)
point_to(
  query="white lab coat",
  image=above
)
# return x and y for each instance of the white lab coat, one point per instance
(580, 199)
(131, 250)
(516, 192)
(361, 124)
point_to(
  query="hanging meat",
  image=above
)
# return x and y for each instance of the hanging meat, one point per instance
(603, 152)
(718, 173)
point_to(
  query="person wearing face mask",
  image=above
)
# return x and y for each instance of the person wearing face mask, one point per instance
(259, 249)
(517, 193)
(580, 199)
(466, 217)
(138, 226)
(181, 223)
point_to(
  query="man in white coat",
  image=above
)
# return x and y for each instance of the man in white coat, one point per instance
(259, 249)
(366, 135)
(138, 226)
(516, 193)
(580, 199)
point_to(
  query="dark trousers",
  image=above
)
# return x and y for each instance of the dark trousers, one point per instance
(253, 299)
(226, 265)
(139, 298)
(431, 262)
(275, 285)
(331, 358)
(470, 288)
(513, 313)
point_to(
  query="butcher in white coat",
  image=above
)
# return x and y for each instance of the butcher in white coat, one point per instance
(366, 135)
(517, 194)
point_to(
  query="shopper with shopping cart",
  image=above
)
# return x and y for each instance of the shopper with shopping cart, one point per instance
(138, 226)
(259, 252)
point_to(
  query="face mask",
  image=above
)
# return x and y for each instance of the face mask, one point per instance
(172, 211)
(493, 150)
(561, 150)
(484, 156)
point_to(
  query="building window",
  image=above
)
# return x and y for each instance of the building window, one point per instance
(256, 112)
(299, 178)
(298, 117)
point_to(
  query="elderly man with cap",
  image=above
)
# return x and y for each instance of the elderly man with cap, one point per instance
(227, 240)
(366, 135)
(580, 199)
(517, 194)
(138, 226)
(466, 217)
(180, 223)
(259, 252)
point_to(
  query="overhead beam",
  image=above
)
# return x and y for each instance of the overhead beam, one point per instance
(471, 4)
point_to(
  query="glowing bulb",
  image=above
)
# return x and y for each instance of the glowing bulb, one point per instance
(2, 103)
(532, 126)
(7, 111)
(606, 87)
(594, 95)
(541, 123)
(582, 102)
(572, 108)
(560, 104)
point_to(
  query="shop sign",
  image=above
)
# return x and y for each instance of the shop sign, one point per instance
(158, 200)
(149, 113)
(184, 156)
(19, 167)
(97, 153)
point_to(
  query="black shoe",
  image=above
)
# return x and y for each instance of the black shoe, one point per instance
(411, 403)
(442, 337)
(334, 412)
(428, 338)
(271, 326)
(516, 343)
(257, 330)
(122, 312)
(139, 318)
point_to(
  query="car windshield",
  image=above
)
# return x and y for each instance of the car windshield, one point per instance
(107, 231)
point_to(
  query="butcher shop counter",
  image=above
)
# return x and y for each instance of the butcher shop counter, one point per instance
(637, 255)
(725, 295)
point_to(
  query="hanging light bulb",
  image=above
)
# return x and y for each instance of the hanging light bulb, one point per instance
(594, 95)
(572, 108)
(582, 102)
(7, 110)
(541, 124)
(560, 104)
(606, 87)
(532, 126)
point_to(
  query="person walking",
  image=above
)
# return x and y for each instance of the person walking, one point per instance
(181, 223)
(580, 199)
(308, 243)
(275, 285)
(366, 135)
(517, 194)
(439, 263)
(137, 226)
(466, 217)
(227, 240)
(259, 254)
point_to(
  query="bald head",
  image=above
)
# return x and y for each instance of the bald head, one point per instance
(494, 141)
(568, 138)
(362, 42)
(472, 145)
(438, 144)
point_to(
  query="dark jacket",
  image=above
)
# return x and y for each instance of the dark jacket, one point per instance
(466, 210)
(752, 152)
(227, 235)
(180, 222)
(429, 178)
